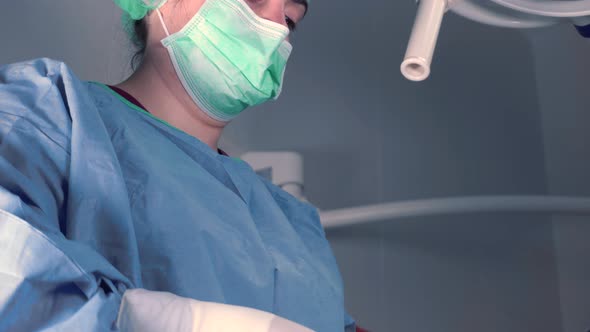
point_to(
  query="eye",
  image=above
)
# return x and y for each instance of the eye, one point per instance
(290, 23)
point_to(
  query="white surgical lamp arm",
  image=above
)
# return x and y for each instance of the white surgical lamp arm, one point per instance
(455, 205)
(503, 13)
(416, 64)
(485, 15)
(561, 8)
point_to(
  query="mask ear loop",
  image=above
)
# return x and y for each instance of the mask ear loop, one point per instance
(162, 21)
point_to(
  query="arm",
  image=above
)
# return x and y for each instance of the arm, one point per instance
(51, 200)
(148, 311)
(46, 280)
(50, 282)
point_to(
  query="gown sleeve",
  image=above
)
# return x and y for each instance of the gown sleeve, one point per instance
(47, 282)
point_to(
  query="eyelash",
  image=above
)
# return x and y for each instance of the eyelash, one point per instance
(290, 23)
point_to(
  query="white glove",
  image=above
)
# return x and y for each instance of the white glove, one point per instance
(148, 311)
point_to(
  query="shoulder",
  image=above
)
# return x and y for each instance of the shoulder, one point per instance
(34, 73)
(39, 94)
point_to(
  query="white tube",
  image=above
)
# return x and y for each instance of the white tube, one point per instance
(484, 15)
(456, 205)
(416, 64)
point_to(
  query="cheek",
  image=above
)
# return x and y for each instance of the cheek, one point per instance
(183, 11)
(256, 5)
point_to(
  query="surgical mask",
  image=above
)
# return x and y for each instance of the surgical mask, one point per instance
(228, 58)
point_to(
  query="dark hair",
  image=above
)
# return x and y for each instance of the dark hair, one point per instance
(139, 41)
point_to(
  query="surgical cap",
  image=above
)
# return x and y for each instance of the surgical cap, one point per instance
(137, 9)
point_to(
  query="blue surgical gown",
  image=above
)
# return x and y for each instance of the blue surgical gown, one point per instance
(97, 197)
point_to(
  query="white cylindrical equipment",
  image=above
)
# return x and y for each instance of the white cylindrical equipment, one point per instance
(416, 64)
(285, 169)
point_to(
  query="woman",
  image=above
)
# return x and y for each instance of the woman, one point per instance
(117, 209)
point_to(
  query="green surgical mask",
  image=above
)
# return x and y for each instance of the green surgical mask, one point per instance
(228, 58)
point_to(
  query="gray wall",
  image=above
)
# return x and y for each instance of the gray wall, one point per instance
(85, 34)
(562, 60)
(369, 136)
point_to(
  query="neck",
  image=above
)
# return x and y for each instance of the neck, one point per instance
(160, 91)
